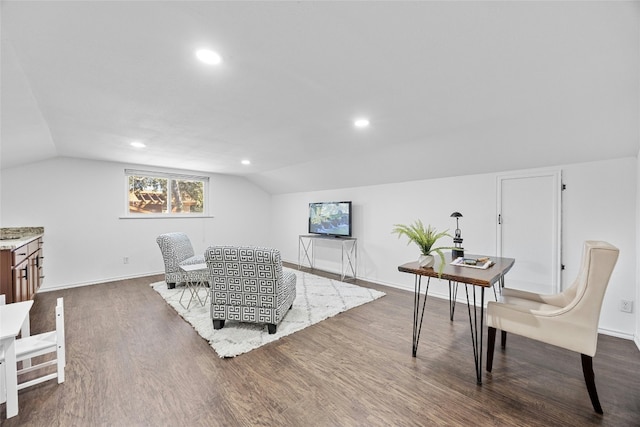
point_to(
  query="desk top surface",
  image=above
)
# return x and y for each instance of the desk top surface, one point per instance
(462, 274)
(12, 317)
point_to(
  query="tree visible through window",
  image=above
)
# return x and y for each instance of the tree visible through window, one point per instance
(170, 194)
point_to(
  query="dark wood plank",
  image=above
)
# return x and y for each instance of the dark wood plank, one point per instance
(133, 361)
(473, 276)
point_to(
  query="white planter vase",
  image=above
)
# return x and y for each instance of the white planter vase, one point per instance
(426, 261)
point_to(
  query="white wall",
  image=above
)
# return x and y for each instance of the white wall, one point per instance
(636, 302)
(599, 203)
(80, 203)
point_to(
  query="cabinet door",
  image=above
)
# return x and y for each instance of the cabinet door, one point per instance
(35, 272)
(40, 273)
(20, 281)
(32, 279)
(6, 275)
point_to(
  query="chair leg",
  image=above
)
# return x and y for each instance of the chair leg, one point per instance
(589, 379)
(3, 391)
(491, 342)
(61, 349)
(218, 323)
(60, 369)
(272, 328)
(503, 339)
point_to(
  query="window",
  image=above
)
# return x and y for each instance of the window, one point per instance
(159, 194)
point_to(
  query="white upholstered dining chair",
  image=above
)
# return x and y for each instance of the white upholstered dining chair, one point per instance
(568, 320)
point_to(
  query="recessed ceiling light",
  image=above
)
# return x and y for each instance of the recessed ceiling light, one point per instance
(246, 162)
(361, 123)
(138, 144)
(208, 56)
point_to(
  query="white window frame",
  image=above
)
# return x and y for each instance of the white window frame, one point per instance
(168, 176)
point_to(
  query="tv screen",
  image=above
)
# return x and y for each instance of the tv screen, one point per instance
(330, 218)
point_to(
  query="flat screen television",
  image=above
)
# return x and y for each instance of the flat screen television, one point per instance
(330, 218)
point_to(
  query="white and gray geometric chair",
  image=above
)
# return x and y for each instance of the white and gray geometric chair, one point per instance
(176, 251)
(249, 285)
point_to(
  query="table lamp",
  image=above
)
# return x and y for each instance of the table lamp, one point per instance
(458, 250)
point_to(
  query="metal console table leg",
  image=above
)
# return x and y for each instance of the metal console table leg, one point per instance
(351, 255)
(306, 249)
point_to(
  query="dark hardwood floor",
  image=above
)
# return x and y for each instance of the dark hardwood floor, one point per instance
(132, 361)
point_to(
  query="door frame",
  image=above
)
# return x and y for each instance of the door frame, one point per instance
(556, 175)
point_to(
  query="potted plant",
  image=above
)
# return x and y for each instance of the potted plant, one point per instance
(425, 238)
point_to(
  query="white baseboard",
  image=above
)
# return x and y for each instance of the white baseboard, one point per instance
(616, 334)
(106, 280)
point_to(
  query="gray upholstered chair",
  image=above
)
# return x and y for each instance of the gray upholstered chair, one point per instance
(568, 320)
(176, 251)
(249, 285)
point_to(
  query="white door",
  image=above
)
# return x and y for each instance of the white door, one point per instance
(529, 218)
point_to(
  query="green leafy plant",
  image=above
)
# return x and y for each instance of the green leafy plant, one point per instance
(425, 238)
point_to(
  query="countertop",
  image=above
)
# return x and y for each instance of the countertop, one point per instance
(13, 238)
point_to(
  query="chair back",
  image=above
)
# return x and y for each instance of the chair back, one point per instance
(175, 248)
(37, 345)
(586, 294)
(244, 268)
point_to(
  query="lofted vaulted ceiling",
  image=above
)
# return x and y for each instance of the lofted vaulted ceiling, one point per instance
(450, 88)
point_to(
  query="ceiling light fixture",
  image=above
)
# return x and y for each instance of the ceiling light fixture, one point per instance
(208, 56)
(138, 144)
(246, 162)
(361, 123)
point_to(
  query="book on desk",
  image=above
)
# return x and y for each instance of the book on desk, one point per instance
(480, 263)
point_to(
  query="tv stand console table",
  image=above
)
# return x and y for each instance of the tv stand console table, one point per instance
(349, 259)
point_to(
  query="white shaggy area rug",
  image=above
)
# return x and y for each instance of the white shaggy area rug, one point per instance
(317, 298)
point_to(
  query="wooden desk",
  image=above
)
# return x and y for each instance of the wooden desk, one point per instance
(13, 319)
(458, 274)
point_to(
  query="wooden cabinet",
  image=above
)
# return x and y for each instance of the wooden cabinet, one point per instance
(21, 271)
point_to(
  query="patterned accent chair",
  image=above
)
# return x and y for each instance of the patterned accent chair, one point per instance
(176, 251)
(249, 285)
